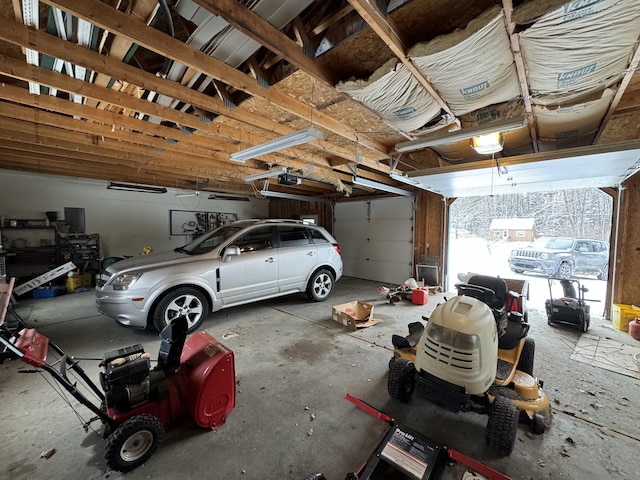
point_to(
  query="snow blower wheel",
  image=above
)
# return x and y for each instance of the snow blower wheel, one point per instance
(134, 442)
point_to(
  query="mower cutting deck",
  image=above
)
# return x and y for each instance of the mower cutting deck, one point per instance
(136, 402)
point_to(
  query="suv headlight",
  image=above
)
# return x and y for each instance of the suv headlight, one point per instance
(125, 281)
(544, 256)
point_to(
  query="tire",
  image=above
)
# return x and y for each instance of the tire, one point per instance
(584, 325)
(525, 364)
(537, 424)
(502, 426)
(564, 270)
(320, 285)
(603, 274)
(133, 442)
(402, 380)
(181, 301)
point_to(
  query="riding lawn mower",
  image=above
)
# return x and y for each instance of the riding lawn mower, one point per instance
(474, 355)
(135, 402)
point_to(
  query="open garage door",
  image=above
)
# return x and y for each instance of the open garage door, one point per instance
(376, 238)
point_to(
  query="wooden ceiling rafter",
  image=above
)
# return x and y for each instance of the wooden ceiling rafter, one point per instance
(383, 26)
(18, 34)
(107, 18)
(516, 50)
(624, 83)
(151, 134)
(252, 25)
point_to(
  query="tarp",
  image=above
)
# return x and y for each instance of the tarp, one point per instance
(583, 46)
(471, 68)
(394, 94)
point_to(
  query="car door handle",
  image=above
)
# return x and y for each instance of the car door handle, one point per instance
(311, 254)
(269, 260)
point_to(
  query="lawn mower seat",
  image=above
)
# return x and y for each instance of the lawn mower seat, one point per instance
(415, 332)
(516, 330)
(497, 300)
(173, 337)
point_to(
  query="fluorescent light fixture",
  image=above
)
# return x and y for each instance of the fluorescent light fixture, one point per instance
(487, 144)
(274, 172)
(290, 196)
(228, 196)
(465, 133)
(133, 187)
(404, 179)
(363, 182)
(291, 140)
(186, 195)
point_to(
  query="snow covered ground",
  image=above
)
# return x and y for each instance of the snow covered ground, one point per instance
(490, 258)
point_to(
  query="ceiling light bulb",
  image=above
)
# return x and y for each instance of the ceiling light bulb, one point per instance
(487, 144)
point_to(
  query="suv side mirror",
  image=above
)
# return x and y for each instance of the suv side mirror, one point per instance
(230, 251)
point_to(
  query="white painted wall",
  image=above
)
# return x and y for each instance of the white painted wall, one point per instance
(126, 221)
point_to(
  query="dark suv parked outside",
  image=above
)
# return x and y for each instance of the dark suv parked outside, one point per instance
(562, 257)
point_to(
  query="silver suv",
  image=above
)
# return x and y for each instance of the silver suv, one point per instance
(562, 257)
(238, 263)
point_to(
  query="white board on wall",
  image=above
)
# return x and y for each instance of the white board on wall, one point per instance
(376, 239)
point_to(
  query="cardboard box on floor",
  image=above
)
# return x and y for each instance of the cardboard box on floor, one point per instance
(354, 315)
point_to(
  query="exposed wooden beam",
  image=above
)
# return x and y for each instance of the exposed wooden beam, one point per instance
(521, 70)
(633, 66)
(388, 32)
(252, 25)
(115, 120)
(18, 34)
(110, 19)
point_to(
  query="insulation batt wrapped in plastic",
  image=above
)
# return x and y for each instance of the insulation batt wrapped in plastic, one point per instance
(394, 94)
(452, 64)
(581, 47)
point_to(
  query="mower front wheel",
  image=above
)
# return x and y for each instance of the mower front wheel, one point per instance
(502, 426)
(525, 364)
(402, 380)
(134, 442)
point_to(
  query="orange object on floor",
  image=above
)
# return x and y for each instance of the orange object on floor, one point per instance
(420, 296)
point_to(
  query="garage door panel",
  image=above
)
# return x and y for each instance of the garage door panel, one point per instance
(376, 239)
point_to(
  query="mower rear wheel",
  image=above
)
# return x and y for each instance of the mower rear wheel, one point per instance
(584, 325)
(182, 301)
(502, 426)
(402, 380)
(134, 442)
(525, 364)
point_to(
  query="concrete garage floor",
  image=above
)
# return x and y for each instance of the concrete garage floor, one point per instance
(292, 362)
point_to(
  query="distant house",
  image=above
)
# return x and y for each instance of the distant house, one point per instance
(513, 229)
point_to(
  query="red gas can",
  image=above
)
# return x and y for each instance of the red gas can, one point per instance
(634, 328)
(420, 296)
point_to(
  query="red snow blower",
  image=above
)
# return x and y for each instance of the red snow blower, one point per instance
(136, 402)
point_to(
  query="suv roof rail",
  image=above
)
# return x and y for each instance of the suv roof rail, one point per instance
(282, 220)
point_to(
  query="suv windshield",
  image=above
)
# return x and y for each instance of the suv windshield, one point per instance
(553, 243)
(207, 242)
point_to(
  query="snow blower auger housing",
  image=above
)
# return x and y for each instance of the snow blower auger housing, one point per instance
(193, 378)
(474, 355)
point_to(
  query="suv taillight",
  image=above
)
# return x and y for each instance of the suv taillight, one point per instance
(337, 247)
